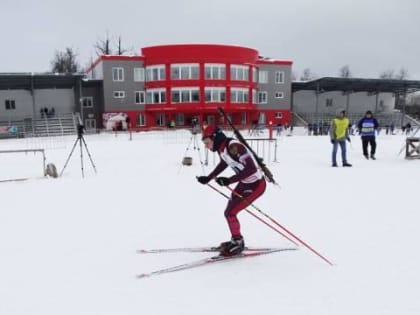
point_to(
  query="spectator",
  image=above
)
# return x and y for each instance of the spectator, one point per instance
(368, 127)
(339, 133)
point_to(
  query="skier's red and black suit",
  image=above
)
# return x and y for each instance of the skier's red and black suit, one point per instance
(251, 180)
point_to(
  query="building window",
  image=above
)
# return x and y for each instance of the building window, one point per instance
(185, 95)
(239, 95)
(239, 73)
(139, 97)
(215, 71)
(278, 115)
(117, 74)
(279, 95)
(263, 76)
(119, 94)
(279, 77)
(10, 104)
(156, 96)
(141, 120)
(184, 71)
(138, 74)
(243, 118)
(328, 102)
(160, 120)
(262, 97)
(179, 119)
(215, 94)
(90, 123)
(261, 118)
(381, 105)
(155, 73)
(87, 101)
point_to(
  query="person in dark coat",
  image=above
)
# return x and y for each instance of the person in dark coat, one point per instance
(368, 127)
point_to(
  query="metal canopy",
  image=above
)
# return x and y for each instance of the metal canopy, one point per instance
(28, 81)
(351, 85)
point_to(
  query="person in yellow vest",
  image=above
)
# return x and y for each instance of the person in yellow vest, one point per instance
(339, 134)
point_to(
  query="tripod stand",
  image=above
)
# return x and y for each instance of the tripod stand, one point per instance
(81, 140)
(194, 141)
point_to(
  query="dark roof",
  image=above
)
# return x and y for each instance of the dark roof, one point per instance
(358, 85)
(27, 81)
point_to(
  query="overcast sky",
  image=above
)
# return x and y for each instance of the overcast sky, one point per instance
(370, 36)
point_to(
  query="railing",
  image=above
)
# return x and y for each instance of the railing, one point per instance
(58, 125)
(263, 147)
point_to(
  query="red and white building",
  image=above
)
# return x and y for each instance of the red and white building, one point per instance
(172, 84)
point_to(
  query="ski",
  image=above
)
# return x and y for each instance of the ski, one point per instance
(204, 249)
(210, 260)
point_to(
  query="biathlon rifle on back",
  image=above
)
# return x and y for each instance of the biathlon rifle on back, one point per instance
(259, 160)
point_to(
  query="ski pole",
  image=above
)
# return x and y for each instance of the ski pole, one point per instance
(257, 217)
(282, 227)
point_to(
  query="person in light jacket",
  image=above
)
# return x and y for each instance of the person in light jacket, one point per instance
(339, 133)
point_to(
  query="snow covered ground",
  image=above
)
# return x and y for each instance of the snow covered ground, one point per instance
(68, 245)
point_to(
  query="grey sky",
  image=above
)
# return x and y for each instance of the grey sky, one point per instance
(371, 36)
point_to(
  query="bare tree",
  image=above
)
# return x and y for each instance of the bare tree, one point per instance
(120, 50)
(65, 61)
(106, 46)
(103, 46)
(344, 72)
(307, 75)
(402, 74)
(388, 74)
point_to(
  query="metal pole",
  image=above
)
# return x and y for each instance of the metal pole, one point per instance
(81, 100)
(316, 102)
(280, 226)
(33, 105)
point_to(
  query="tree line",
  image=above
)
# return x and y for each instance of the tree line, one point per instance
(345, 72)
(66, 61)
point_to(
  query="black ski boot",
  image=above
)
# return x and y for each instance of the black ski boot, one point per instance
(233, 247)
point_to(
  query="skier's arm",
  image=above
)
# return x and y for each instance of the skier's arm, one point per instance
(219, 168)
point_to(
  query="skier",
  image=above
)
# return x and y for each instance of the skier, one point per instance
(368, 125)
(251, 182)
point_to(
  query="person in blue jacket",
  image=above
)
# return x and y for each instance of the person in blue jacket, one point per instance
(368, 127)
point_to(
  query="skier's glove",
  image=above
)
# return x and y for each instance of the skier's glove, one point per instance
(223, 181)
(332, 141)
(203, 179)
(348, 139)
